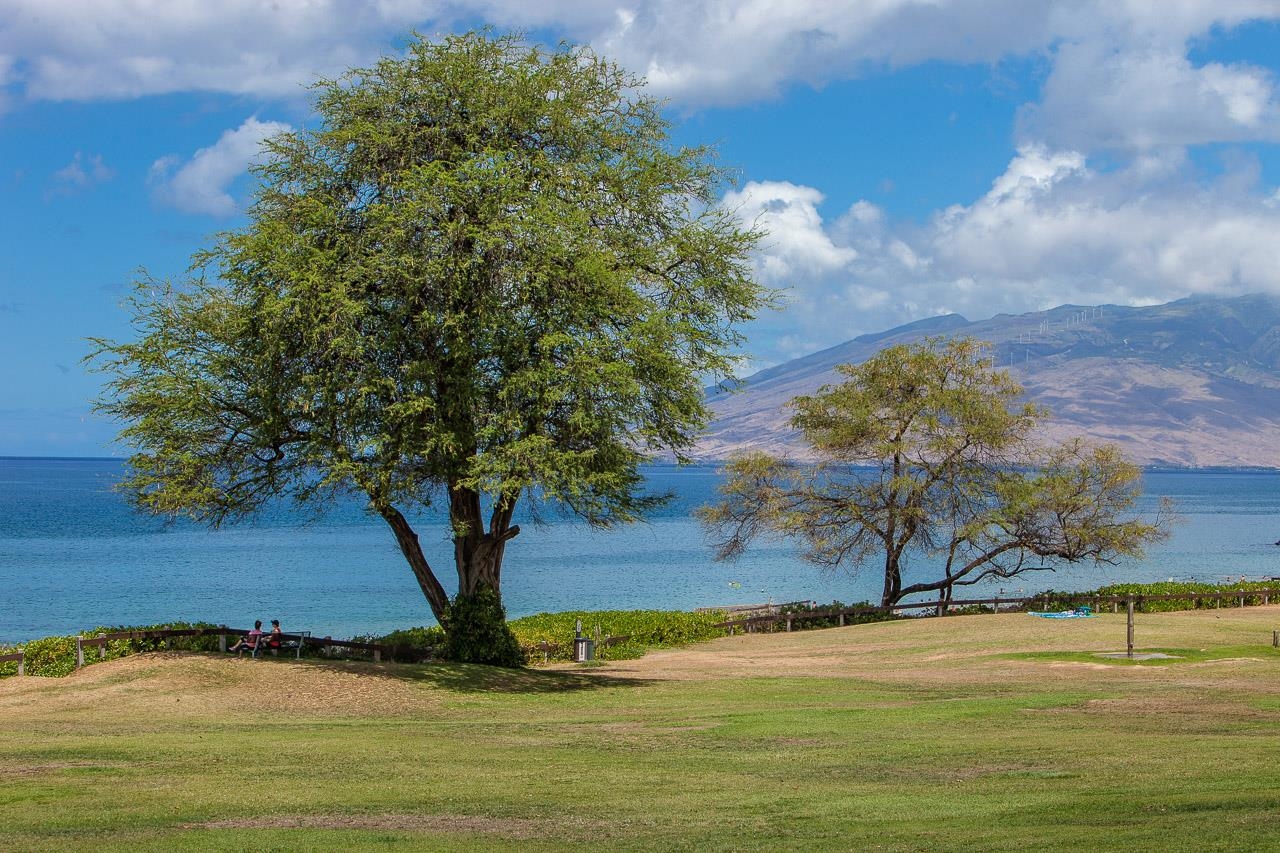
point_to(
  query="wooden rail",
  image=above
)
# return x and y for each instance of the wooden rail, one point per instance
(20, 657)
(1096, 601)
(222, 632)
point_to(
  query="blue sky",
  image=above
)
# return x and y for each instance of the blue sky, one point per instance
(908, 158)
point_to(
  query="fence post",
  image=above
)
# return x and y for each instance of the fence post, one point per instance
(1275, 641)
(841, 620)
(79, 653)
(21, 663)
(788, 621)
(102, 650)
(377, 655)
(1130, 632)
(222, 640)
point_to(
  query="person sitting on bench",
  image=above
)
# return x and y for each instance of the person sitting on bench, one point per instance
(249, 641)
(275, 637)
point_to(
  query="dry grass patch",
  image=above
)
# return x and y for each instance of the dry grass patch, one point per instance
(202, 685)
(961, 649)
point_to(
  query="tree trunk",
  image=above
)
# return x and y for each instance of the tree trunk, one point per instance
(474, 622)
(477, 630)
(892, 582)
(944, 598)
(407, 539)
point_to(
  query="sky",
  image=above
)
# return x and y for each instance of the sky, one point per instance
(906, 157)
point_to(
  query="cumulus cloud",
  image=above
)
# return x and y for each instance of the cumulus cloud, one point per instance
(1050, 230)
(696, 51)
(797, 245)
(1100, 96)
(201, 184)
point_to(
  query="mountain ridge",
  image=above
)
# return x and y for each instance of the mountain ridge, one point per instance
(1190, 383)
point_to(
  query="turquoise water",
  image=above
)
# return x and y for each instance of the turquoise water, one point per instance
(73, 556)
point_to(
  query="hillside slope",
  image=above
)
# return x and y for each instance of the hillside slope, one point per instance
(1191, 383)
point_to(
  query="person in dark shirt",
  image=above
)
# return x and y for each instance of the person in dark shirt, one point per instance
(275, 637)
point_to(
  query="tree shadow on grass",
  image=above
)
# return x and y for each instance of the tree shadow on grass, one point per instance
(475, 678)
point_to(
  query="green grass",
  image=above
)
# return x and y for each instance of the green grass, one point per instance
(1175, 656)
(1013, 750)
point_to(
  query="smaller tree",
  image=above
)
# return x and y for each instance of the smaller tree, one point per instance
(926, 461)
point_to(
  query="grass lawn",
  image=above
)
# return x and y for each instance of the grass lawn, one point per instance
(981, 732)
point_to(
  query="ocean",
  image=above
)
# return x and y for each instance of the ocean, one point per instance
(74, 555)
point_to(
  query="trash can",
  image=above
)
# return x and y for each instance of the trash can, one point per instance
(584, 648)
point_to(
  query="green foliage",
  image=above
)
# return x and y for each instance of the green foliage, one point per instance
(56, 656)
(51, 656)
(478, 631)
(482, 273)
(411, 645)
(1179, 587)
(951, 472)
(644, 630)
(804, 607)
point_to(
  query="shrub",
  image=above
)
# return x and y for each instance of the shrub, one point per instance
(1180, 587)
(643, 630)
(56, 656)
(478, 631)
(832, 621)
(412, 645)
(51, 656)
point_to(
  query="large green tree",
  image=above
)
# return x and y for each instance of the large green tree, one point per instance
(927, 461)
(482, 277)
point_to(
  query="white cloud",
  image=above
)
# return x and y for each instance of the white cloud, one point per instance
(796, 243)
(80, 174)
(1050, 231)
(201, 185)
(1102, 96)
(696, 51)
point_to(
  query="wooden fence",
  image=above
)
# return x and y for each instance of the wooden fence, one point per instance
(748, 624)
(302, 640)
(841, 615)
(19, 657)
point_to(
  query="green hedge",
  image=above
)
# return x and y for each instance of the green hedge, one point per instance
(410, 645)
(56, 656)
(1180, 587)
(645, 629)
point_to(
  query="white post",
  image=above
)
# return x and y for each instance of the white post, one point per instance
(1130, 627)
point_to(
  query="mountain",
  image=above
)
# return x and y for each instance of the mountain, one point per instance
(1192, 383)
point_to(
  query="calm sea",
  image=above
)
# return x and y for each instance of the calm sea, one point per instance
(74, 556)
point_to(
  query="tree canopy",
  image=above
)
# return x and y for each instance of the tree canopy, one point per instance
(927, 461)
(483, 274)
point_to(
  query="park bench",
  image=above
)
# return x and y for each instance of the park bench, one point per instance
(288, 642)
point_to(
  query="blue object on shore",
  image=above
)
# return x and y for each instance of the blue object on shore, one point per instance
(1078, 613)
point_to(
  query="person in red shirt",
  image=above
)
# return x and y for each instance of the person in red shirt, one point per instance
(274, 638)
